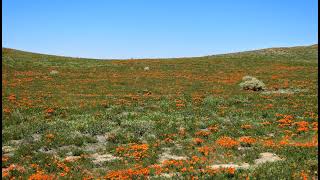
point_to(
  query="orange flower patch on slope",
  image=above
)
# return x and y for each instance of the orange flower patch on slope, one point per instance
(40, 175)
(303, 126)
(314, 126)
(197, 141)
(227, 142)
(203, 133)
(128, 173)
(287, 120)
(136, 151)
(247, 140)
(213, 128)
(205, 150)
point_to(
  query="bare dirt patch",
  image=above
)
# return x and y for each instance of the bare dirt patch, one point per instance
(101, 158)
(285, 91)
(231, 165)
(267, 157)
(166, 155)
(264, 158)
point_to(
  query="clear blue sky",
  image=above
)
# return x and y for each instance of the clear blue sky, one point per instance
(156, 28)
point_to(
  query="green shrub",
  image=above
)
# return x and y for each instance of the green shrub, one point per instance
(252, 83)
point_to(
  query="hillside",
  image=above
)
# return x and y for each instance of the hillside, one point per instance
(79, 118)
(305, 52)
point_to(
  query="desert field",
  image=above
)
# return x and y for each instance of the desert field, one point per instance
(180, 118)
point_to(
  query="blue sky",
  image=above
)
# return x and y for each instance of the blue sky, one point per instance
(156, 28)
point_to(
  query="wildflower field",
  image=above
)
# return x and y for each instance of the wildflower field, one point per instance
(183, 118)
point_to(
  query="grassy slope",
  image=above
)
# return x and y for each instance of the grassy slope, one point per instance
(117, 98)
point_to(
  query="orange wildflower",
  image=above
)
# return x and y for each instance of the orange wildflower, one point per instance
(231, 170)
(312, 143)
(5, 158)
(195, 159)
(50, 136)
(268, 106)
(184, 169)
(87, 178)
(213, 128)
(168, 140)
(205, 150)
(5, 173)
(127, 173)
(12, 97)
(269, 143)
(63, 166)
(247, 140)
(227, 142)
(279, 115)
(246, 126)
(194, 178)
(203, 133)
(285, 140)
(304, 176)
(286, 121)
(302, 126)
(39, 175)
(266, 123)
(180, 105)
(198, 141)
(34, 165)
(136, 151)
(49, 110)
(314, 126)
(6, 110)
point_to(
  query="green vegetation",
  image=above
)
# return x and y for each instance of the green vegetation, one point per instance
(74, 118)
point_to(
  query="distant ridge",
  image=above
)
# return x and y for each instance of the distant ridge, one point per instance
(277, 50)
(311, 50)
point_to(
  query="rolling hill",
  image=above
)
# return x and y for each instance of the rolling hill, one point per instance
(78, 118)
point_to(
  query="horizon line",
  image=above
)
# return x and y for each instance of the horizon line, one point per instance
(154, 58)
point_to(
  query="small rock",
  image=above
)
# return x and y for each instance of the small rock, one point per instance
(36, 137)
(54, 72)
(101, 138)
(8, 149)
(72, 158)
(271, 134)
(178, 146)
(16, 142)
(244, 148)
(169, 175)
(146, 68)
(204, 130)
(47, 151)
